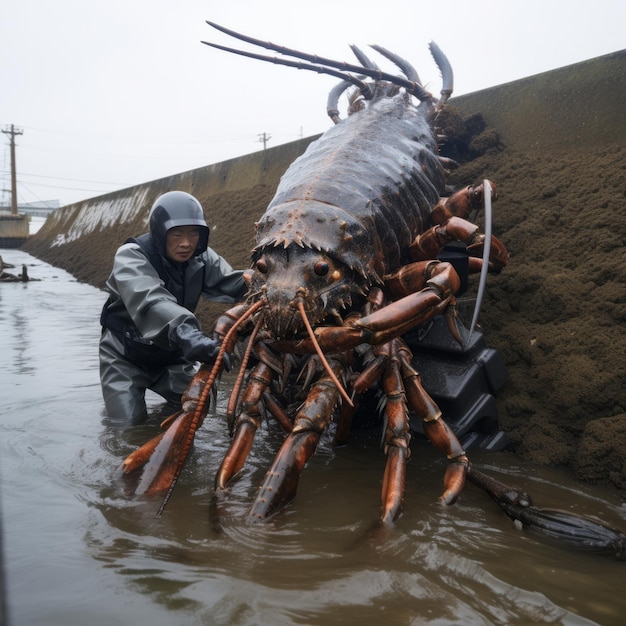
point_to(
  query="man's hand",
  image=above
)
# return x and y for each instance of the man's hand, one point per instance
(195, 345)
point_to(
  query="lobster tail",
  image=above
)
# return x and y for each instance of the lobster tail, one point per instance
(409, 71)
(447, 75)
(341, 69)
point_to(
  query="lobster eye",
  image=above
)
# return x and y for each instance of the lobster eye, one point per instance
(321, 268)
(261, 265)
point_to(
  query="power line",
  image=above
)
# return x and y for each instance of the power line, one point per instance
(75, 180)
(72, 188)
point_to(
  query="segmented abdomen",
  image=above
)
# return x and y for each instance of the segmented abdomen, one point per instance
(375, 176)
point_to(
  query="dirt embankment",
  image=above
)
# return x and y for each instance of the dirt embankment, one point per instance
(557, 313)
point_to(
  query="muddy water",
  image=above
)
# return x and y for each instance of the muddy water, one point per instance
(78, 549)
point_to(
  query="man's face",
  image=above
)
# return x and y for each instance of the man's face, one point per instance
(181, 242)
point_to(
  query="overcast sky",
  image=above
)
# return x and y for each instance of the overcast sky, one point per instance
(112, 93)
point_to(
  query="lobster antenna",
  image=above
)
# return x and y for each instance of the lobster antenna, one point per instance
(486, 251)
(320, 354)
(320, 69)
(363, 58)
(320, 62)
(313, 58)
(234, 396)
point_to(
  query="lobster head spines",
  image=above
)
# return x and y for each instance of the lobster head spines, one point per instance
(312, 257)
(323, 227)
(287, 278)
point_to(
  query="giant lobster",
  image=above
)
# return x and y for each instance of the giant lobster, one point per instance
(345, 263)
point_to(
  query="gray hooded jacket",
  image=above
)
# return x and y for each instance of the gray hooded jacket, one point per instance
(149, 301)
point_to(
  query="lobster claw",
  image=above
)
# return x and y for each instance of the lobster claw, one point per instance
(159, 457)
(162, 459)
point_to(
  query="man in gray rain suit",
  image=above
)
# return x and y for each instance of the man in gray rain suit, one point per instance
(150, 336)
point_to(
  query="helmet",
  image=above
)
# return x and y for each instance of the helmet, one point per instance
(177, 208)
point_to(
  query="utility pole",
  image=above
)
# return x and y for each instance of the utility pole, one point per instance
(264, 138)
(12, 132)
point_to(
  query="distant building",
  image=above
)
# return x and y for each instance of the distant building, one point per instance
(15, 229)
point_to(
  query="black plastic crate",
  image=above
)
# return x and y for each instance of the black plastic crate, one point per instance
(463, 380)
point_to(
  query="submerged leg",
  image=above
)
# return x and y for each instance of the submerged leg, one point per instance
(396, 444)
(246, 426)
(281, 481)
(161, 460)
(437, 431)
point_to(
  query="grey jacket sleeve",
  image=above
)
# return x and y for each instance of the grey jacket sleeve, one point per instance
(141, 292)
(222, 283)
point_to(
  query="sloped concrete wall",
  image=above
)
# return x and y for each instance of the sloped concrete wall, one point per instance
(574, 107)
(82, 237)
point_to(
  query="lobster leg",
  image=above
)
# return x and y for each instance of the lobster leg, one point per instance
(440, 435)
(450, 225)
(141, 455)
(567, 528)
(366, 379)
(437, 431)
(281, 481)
(396, 443)
(246, 426)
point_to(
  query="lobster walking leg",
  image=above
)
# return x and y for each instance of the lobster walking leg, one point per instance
(247, 424)
(440, 435)
(396, 443)
(281, 481)
(361, 383)
(437, 431)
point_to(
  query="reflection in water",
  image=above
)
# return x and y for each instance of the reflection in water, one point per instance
(79, 549)
(19, 323)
